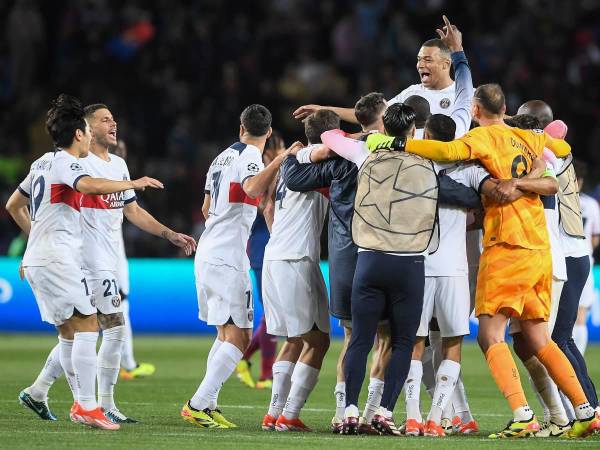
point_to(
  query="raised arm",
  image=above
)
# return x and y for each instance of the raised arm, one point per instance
(98, 186)
(258, 184)
(300, 177)
(346, 114)
(350, 149)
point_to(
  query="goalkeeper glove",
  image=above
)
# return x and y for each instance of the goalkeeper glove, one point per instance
(378, 141)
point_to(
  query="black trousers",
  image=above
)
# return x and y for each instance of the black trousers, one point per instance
(578, 270)
(385, 287)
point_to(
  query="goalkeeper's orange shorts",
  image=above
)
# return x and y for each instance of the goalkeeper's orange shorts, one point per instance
(516, 280)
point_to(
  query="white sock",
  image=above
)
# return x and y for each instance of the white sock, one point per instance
(351, 411)
(584, 411)
(127, 360)
(412, 390)
(66, 351)
(340, 399)
(448, 411)
(214, 398)
(373, 399)
(446, 378)
(282, 382)
(522, 413)
(109, 362)
(221, 367)
(567, 406)
(428, 377)
(84, 365)
(435, 339)
(50, 372)
(580, 336)
(547, 390)
(460, 402)
(304, 379)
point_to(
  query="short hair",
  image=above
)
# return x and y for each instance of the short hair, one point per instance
(256, 119)
(580, 168)
(490, 97)
(319, 122)
(369, 107)
(421, 107)
(398, 119)
(275, 141)
(525, 122)
(439, 44)
(89, 110)
(539, 109)
(440, 127)
(64, 117)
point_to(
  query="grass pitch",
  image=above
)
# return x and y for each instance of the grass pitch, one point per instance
(180, 362)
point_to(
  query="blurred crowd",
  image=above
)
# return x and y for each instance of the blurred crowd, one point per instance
(176, 75)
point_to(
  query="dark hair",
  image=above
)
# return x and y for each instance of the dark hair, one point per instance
(89, 110)
(525, 122)
(275, 141)
(421, 107)
(369, 107)
(580, 168)
(440, 127)
(319, 122)
(490, 97)
(439, 44)
(398, 119)
(64, 117)
(256, 119)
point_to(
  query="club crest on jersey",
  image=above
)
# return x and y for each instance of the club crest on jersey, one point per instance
(76, 167)
(115, 200)
(445, 103)
(116, 301)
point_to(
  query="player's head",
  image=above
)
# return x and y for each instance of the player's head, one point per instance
(319, 122)
(488, 102)
(525, 122)
(66, 124)
(433, 64)
(369, 111)
(421, 107)
(399, 120)
(273, 147)
(440, 127)
(539, 109)
(581, 171)
(255, 121)
(102, 124)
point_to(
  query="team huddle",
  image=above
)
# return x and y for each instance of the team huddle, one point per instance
(430, 219)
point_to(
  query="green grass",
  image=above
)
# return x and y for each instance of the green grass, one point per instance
(180, 362)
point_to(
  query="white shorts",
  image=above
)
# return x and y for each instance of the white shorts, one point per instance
(588, 295)
(105, 291)
(294, 297)
(123, 273)
(224, 293)
(447, 299)
(557, 287)
(59, 289)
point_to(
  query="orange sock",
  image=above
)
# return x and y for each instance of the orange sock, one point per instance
(505, 373)
(562, 372)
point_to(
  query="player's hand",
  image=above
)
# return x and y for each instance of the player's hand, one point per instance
(451, 36)
(305, 110)
(21, 271)
(142, 183)
(504, 190)
(378, 141)
(187, 243)
(538, 166)
(292, 149)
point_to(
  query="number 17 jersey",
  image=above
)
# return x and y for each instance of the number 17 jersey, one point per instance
(231, 211)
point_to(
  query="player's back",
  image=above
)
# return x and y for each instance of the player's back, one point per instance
(231, 211)
(509, 153)
(54, 207)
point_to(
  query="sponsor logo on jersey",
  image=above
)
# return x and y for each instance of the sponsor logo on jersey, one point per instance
(104, 201)
(445, 103)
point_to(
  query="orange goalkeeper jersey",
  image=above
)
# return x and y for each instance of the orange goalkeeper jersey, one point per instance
(509, 153)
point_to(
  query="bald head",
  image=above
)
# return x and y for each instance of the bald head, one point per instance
(490, 98)
(538, 109)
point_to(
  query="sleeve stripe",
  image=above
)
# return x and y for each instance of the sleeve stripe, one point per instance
(207, 191)
(129, 200)
(244, 180)
(481, 183)
(77, 179)
(22, 191)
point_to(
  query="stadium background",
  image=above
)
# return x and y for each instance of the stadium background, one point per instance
(177, 74)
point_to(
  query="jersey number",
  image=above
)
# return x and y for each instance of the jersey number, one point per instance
(280, 193)
(519, 167)
(214, 192)
(107, 284)
(37, 194)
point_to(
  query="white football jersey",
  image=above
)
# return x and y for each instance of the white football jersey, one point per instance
(440, 101)
(231, 212)
(297, 226)
(559, 267)
(102, 215)
(590, 212)
(450, 259)
(54, 205)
